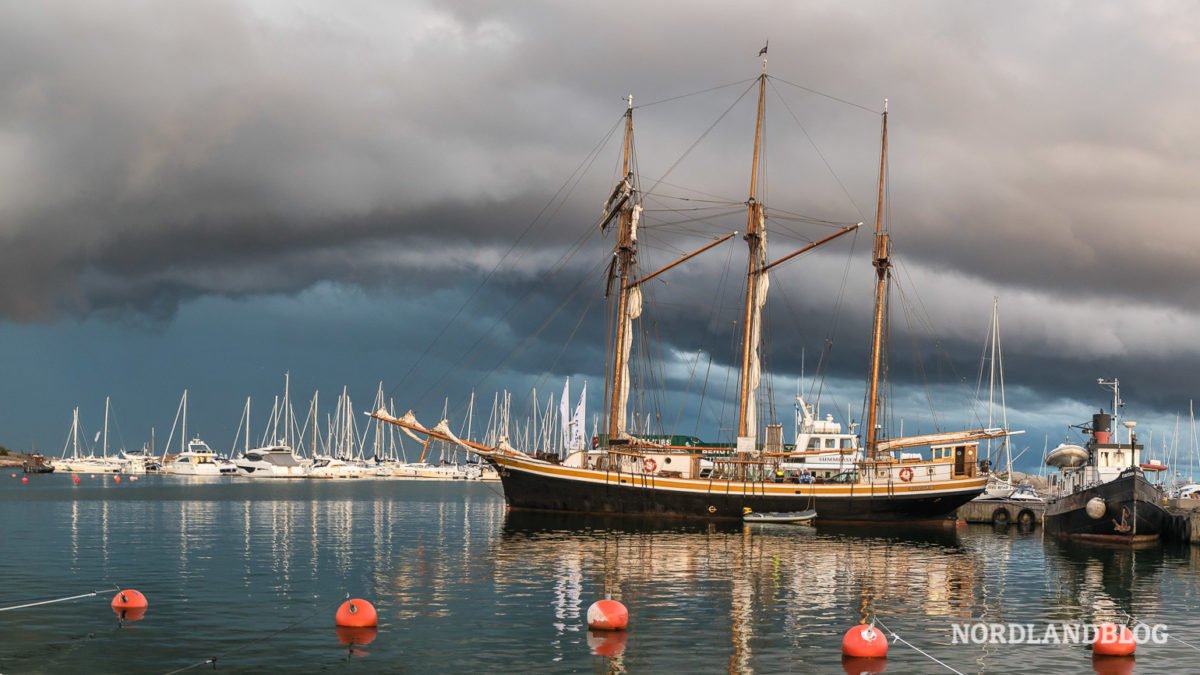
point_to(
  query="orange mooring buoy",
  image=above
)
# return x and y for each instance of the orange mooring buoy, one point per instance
(76, 479)
(24, 479)
(116, 479)
(607, 615)
(1113, 640)
(356, 613)
(863, 641)
(129, 599)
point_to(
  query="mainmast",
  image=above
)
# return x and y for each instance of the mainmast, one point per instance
(756, 291)
(883, 265)
(629, 301)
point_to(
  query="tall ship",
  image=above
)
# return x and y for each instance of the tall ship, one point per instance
(882, 479)
(1102, 491)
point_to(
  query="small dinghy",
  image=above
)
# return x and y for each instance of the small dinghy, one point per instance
(789, 518)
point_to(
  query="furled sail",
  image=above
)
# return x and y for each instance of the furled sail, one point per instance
(761, 282)
(409, 418)
(635, 310)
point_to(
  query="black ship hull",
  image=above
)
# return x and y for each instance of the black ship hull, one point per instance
(1132, 512)
(537, 491)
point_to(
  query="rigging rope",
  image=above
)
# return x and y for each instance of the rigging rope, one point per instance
(819, 153)
(1136, 620)
(36, 602)
(694, 93)
(701, 138)
(828, 96)
(897, 638)
(574, 176)
(250, 643)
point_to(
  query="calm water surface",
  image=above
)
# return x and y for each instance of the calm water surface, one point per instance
(252, 573)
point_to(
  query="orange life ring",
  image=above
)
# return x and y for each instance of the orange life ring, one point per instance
(906, 474)
(649, 464)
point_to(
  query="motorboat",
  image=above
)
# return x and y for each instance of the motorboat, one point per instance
(272, 461)
(785, 518)
(197, 459)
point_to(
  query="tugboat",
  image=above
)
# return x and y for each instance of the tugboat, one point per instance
(37, 464)
(1101, 492)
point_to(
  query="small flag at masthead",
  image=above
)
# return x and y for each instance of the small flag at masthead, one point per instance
(763, 51)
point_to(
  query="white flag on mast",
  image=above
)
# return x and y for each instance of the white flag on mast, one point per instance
(577, 422)
(564, 414)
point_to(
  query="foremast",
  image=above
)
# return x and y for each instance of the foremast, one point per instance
(883, 265)
(624, 204)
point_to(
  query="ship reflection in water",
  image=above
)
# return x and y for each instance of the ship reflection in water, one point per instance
(463, 585)
(774, 591)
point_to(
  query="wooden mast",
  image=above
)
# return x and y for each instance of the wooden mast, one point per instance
(883, 264)
(754, 240)
(626, 257)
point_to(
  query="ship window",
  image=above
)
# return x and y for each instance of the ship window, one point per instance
(814, 444)
(831, 443)
(667, 460)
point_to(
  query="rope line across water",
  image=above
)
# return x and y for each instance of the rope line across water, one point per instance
(32, 603)
(213, 660)
(897, 638)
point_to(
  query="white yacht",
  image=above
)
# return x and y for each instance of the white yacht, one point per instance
(272, 461)
(196, 460)
(141, 461)
(823, 449)
(332, 467)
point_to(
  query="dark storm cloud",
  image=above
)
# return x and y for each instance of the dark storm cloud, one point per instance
(151, 154)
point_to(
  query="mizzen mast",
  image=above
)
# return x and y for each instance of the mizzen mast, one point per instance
(883, 266)
(629, 300)
(756, 290)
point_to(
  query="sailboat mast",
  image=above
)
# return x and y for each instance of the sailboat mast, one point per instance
(105, 427)
(747, 425)
(883, 265)
(183, 429)
(626, 257)
(247, 439)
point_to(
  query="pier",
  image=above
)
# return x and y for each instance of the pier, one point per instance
(1183, 526)
(1002, 511)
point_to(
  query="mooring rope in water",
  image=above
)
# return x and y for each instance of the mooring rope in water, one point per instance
(213, 660)
(51, 601)
(1169, 636)
(897, 638)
